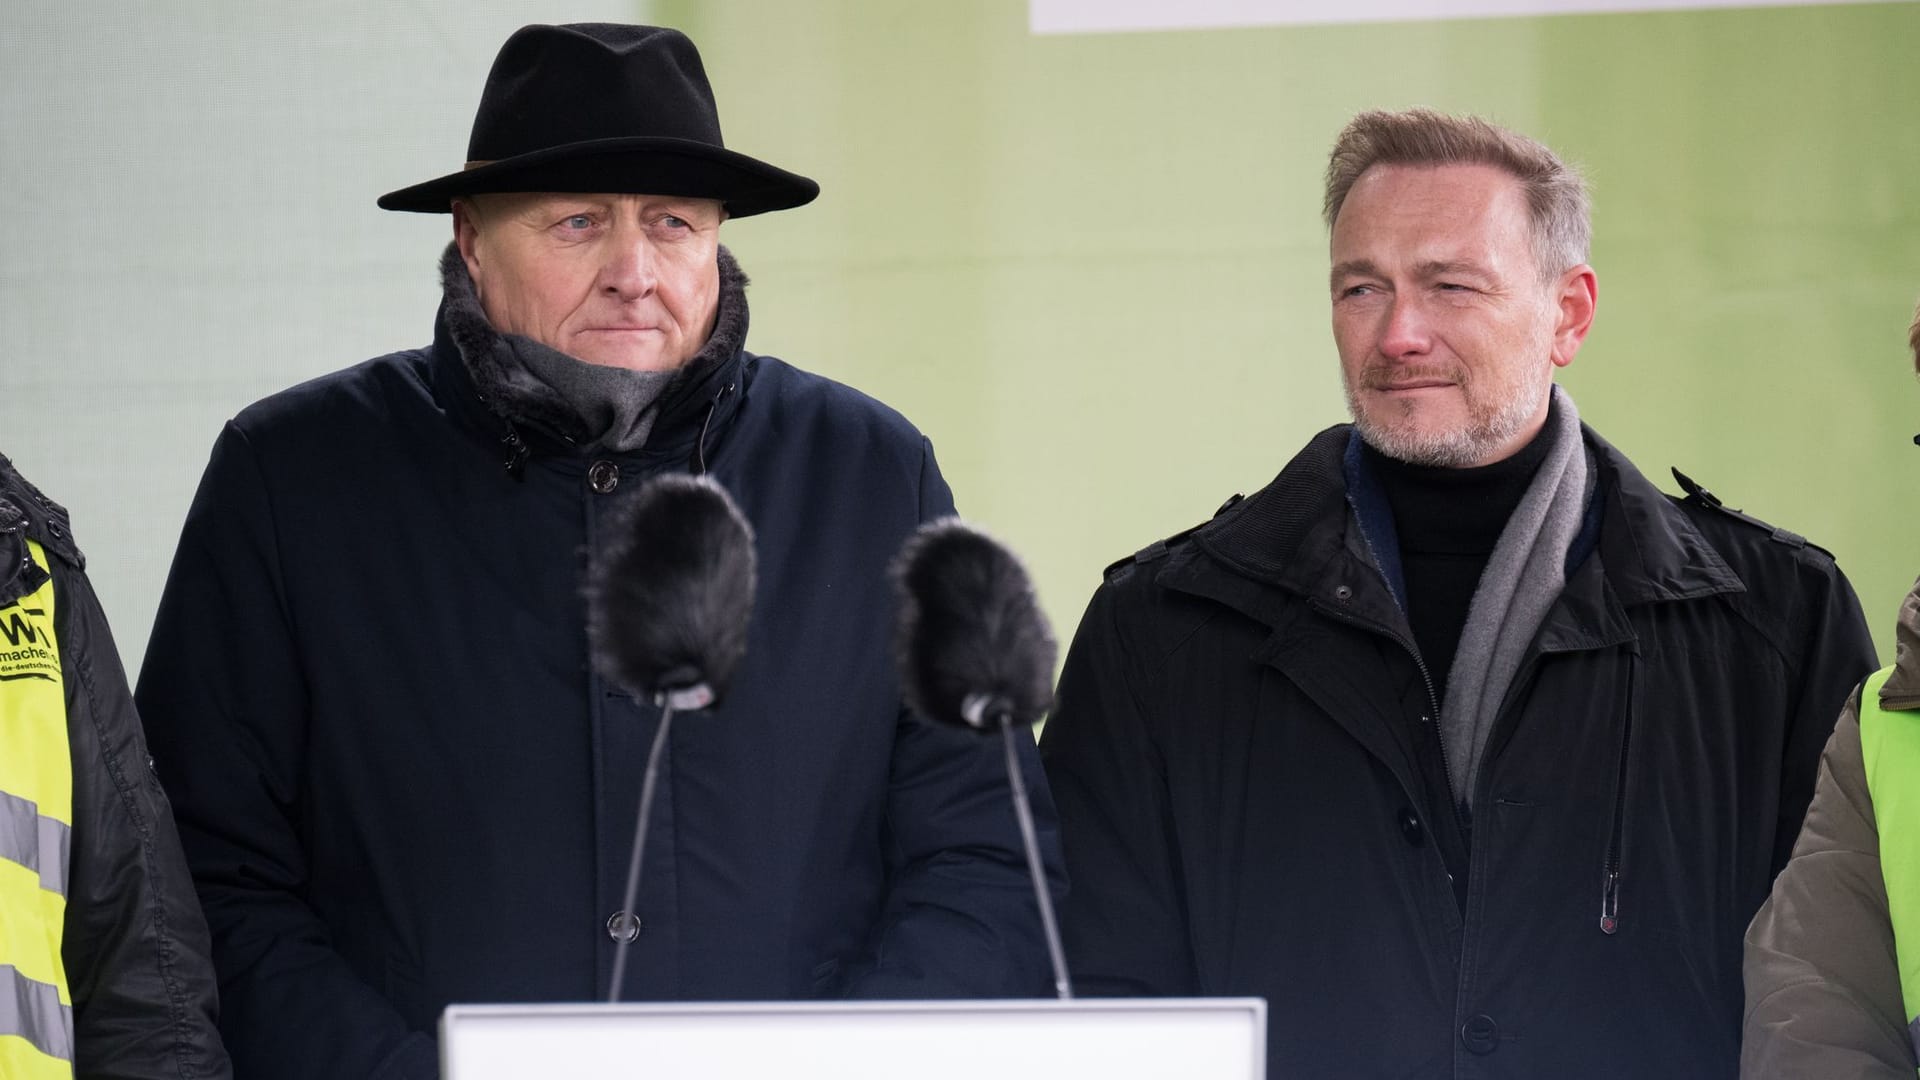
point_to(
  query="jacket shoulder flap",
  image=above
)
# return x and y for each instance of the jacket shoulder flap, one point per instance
(1118, 570)
(26, 511)
(1698, 495)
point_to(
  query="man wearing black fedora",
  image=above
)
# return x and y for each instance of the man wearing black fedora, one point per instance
(399, 782)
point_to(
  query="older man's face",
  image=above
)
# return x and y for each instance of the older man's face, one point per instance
(1448, 334)
(628, 281)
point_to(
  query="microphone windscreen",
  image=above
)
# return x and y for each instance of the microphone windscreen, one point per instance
(670, 592)
(969, 626)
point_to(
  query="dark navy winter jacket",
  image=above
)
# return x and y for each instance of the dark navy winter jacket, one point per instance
(400, 785)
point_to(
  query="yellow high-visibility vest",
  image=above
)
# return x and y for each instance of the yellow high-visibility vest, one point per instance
(36, 825)
(1890, 751)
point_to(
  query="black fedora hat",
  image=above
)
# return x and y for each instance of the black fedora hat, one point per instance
(601, 107)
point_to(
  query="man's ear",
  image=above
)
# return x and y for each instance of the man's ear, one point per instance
(1577, 296)
(466, 234)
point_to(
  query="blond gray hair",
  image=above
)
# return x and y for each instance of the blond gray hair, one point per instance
(1558, 208)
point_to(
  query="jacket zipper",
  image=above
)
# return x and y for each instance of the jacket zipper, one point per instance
(1900, 703)
(1610, 879)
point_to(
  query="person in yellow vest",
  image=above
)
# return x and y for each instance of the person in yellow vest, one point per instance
(1833, 957)
(104, 959)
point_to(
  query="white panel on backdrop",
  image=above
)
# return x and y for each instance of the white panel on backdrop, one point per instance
(187, 195)
(1099, 16)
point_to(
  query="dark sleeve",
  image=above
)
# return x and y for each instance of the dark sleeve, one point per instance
(960, 918)
(1838, 654)
(135, 948)
(226, 708)
(1822, 984)
(1125, 923)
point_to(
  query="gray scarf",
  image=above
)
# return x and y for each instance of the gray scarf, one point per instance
(616, 407)
(1523, 578)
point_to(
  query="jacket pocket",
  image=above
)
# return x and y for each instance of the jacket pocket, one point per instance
(1611, 871)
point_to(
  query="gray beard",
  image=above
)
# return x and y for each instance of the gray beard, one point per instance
(1454, 449)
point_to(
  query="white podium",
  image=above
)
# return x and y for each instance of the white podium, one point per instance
(1114, 1039)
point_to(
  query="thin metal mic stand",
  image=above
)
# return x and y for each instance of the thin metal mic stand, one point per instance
(1024, 812)
(639, 847)
(684, 698)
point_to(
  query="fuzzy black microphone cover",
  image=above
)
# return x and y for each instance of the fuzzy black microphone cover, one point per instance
(969, 627)
(670, 593)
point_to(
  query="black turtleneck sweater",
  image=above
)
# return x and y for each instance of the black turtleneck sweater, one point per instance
(1448, 521)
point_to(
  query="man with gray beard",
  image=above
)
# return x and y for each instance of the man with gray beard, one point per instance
(1460, 743)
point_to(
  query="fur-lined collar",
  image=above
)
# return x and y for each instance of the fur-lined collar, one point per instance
(495, 360)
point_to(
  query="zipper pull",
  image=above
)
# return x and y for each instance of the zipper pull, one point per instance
(1610, 903)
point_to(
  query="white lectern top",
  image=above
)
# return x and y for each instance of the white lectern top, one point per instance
(1113, 1039)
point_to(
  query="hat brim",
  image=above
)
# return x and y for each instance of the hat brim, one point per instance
(640, 165)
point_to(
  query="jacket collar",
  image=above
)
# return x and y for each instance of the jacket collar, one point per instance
(1902, 689)
(488, 381)
(1298, 537)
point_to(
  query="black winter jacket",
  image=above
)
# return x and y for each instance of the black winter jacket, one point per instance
(401, 786)
(134, 945)
(1244, 757)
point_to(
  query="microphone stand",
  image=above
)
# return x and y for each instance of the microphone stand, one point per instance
(698, 696)
(1023, 810)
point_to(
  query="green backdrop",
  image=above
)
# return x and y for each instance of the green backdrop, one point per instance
(1092, 268)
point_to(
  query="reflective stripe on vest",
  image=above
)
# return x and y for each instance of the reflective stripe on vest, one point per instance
(36, 815)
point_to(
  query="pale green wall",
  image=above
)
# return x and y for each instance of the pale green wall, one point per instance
(187, 224)
(1091, 268)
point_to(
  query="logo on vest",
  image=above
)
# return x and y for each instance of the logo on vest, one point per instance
(27, 650)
